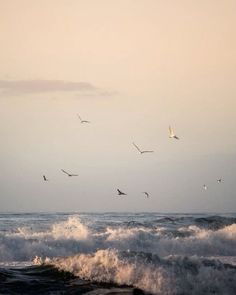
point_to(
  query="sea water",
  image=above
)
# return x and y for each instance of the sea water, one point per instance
(117, 253)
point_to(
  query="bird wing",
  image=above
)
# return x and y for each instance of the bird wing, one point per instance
(85, 121)
(44, 177)
(79, 117)
(137, 147)
(73, 174)
(147, 152)
(65, 172)
(171, 132)
(147, 194)
(120, 192)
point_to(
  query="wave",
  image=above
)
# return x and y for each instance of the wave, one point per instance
(72, 236)
(215, 222)
(170, 275)
(62, 239)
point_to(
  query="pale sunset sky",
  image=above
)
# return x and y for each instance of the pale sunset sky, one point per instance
(131, 67)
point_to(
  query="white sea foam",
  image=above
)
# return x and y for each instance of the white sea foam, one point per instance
(64, 238)
(69, 229)
(72, 236)
(172, 275)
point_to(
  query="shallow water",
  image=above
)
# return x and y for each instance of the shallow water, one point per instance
(117, 253)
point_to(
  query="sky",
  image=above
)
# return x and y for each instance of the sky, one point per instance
(132, 68)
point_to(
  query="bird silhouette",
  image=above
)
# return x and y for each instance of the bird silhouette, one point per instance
(140, 151)
(69, 174)
(45, 178)
(120, 193)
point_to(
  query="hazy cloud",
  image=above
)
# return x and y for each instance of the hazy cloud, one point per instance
(40, 86)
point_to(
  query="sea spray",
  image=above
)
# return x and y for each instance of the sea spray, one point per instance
(170, 275)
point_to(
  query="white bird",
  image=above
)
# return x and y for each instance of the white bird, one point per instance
(81, 120)
(69, 174)
(205, 187)
(141, 152)
(120, 193)
(147, 194)
(45, 178)
(172, 134)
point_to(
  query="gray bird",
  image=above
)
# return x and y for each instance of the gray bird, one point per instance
(69, 174)
(141, 152)
(120, 193)
(45, 178)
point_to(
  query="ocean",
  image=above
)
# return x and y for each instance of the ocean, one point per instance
(117, 253)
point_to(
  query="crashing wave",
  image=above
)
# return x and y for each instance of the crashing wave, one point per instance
(170, 275)
(72, 236)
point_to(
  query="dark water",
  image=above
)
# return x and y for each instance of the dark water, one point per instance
(47, 279)
(117, 253)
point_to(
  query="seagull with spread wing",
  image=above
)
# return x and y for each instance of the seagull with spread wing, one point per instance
(120, 193)
(172, 134)
(81, 120)
(140, 151)
(69, 174)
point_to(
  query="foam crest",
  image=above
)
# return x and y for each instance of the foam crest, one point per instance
(70, 229)
(72, 236)
(106, 266)
(62, 239)
(172, 275)
(117, 234)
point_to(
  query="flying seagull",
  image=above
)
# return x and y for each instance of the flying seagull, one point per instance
(205, 187)
(172, 134)
(82, 121)
(120, 193)
(147, 194)
(69, 174)
(44, 178)
(219, 180)
(141, 152)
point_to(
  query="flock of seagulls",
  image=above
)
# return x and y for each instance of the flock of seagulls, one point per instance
(172, 135)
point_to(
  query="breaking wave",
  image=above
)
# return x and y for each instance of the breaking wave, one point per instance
(170, 275)
(72, 237)
(120, 254)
